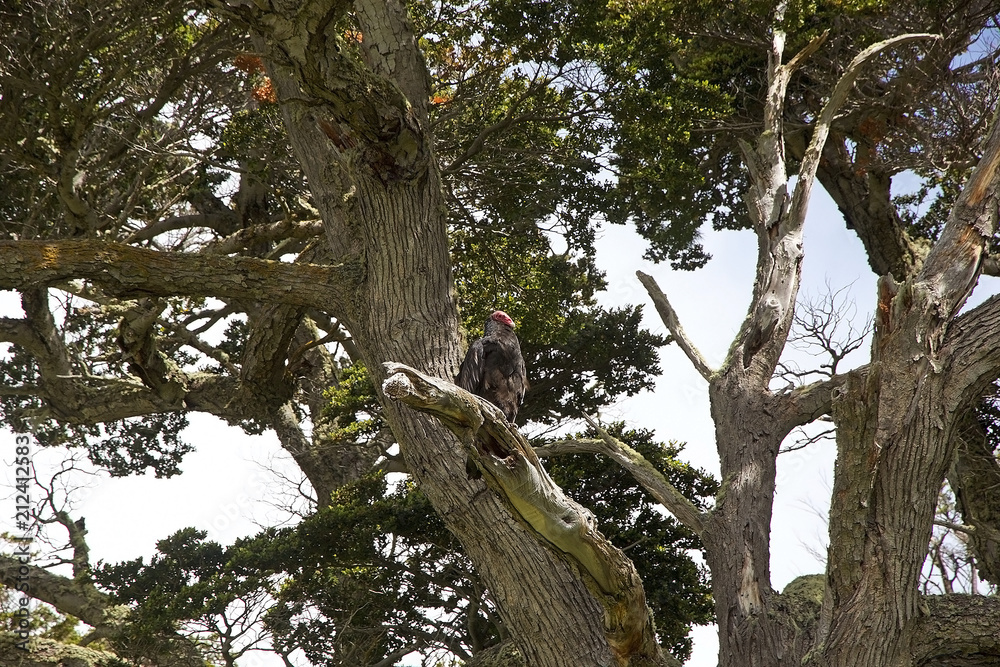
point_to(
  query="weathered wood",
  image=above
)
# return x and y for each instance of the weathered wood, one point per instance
(511, 467)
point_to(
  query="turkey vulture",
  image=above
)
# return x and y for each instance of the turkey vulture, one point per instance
(494, 367)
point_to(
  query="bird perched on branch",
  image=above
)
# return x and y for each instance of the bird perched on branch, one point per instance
(494, 368)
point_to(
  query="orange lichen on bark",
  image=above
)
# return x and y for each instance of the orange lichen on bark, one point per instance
(249, 63)
(265, 92)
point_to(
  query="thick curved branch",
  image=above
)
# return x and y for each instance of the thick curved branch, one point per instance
(140, 349)
(126, 271)
(79, 401)
(863, 198)
(636, 465)
(958, 631)
(45, 344)
(84, 399)
(276, 231)
(511, 468)
(673, 325)
(69, 596)
(264, 377)
(221, 222)
(804, 405)
(811, 159)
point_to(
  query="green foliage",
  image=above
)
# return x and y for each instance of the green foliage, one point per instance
(587, 118)
(377, 571)
(550, 119)
(353, 408)
(594, 358)
(131, 446)
(191, 584)
(390, 577)
(372, 573)
(123, 447)
(677, 589)
(84, 84)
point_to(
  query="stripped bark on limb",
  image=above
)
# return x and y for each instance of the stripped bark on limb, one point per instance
(511, 468)
(653, 481)
(780, 249)
(669, 317)
(636, 465)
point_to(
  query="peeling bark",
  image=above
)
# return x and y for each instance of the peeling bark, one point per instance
(511, 468)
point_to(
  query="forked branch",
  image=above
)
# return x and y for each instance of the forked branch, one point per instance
(810, 161)
(511, 468)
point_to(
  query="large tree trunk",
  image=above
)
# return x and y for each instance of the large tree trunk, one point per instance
(366, 152)
(737, 538)
(895, 419)
(405, 312)
(899, 435)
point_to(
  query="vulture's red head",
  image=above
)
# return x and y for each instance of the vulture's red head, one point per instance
(502, 318)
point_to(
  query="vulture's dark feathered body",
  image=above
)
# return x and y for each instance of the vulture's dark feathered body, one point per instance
(494, 368)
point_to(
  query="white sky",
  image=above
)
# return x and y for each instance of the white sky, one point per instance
(226, 489)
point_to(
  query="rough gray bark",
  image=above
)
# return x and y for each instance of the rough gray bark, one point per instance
(130, 272)
(957, 631)
(358, 130)
(896, 423)
(925, 373)
(357, 119)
